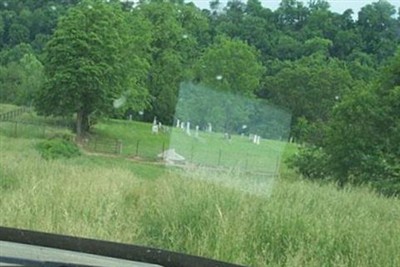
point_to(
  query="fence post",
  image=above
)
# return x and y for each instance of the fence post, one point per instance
(191, 153)
(16, 129)
(118, 146)
(137, 148)
(219, 157)
(276, 174)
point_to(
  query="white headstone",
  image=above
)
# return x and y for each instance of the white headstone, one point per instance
(182, 125)
(188, 128)
(154, 129)
(209, 128)
(178, 123)
(197, 131)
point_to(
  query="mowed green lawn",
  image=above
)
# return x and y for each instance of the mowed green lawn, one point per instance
(295, 223)
(7, 107)
(208, 149)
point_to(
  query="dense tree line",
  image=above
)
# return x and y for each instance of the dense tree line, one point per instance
(105, 58)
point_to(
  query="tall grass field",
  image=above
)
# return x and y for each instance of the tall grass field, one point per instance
(285, 223)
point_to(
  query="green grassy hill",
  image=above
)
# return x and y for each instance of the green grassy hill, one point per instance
(118, 198)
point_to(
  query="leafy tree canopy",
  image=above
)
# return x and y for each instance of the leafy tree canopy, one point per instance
(231, 66)
(89, 62)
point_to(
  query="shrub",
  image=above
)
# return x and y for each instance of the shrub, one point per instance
(57, 148)
(310, 162)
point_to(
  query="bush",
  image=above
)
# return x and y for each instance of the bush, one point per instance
(57, 148)
(310, 162)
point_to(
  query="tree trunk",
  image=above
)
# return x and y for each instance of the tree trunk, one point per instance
(79, 120)
(82, 123)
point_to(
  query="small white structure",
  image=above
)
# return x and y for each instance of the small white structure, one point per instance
(170, 156)
(256, 139)
(154, 128)
(178, 123)
(209, 127)
(251, 136)
(182, 125)
(188, 128)
(197, 131)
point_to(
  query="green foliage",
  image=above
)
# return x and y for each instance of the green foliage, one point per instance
(230, 66)
(106, 57)
(309, 88)
(57, 148)
(21, 80)
(86, 62)
(356, 149)
(311, 163)
(179, 34)
(379, 29)
(229, 112)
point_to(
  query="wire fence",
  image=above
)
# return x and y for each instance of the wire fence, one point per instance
(203, 157)
(12, 114)
(26, 129)
(213, 160)
(110, 146)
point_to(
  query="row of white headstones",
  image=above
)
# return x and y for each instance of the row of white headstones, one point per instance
(185, 126)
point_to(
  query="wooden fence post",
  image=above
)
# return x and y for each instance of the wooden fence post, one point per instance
(16, 129)
(137, 148)
(118, 146)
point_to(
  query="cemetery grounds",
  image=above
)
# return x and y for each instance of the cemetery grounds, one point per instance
(225, 210)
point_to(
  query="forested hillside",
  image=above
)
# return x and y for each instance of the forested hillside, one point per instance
(337, 74)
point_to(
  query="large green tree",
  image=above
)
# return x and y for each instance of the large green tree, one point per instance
(309, 88)
(379, 29)
(91, 60)
(21, 80)
(231, 66)
(232, 71)
(362, 139)
(180, 33)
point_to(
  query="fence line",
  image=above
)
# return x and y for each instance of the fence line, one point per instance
(12, 114)
(221, 162)
(112, 146)
(16, 128)
(220, 159)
